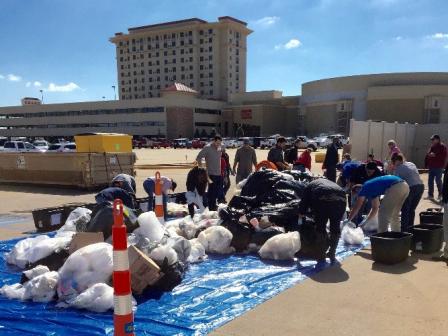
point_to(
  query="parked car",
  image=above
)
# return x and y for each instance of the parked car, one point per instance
(2, 141)
(229, 143)
(20, 146)
(180, 143)
(41, 144)
(142, 142)
(198, 143)
(305, 142)
(162, 143)
(268, 142)
(62, 147)
(342, 139)
(257, 142)
(240, 141)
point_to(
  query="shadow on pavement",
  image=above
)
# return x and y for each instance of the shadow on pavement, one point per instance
(400, 268)
(333, 274)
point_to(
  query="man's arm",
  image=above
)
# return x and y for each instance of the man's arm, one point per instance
(357, 207)
(202, 154)
(254, 158)
(237, 159)
(375, 207)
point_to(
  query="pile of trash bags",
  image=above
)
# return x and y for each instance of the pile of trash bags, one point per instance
(262, 218)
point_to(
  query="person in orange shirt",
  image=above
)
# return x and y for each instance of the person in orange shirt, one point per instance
(303, 161)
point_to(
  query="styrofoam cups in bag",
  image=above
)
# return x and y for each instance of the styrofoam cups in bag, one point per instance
(150, 226)
(281, 247)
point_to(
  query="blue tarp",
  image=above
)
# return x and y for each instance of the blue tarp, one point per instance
(212, 293)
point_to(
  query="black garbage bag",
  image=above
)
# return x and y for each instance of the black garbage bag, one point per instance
(282, 214)
(242, 202)
(314, 244)
(260, 182)
(231, 214)
(275, 196)
(300, 176)
(242, 234)
(260, 237)
(172, 276)
(296, 186)
(103, 220)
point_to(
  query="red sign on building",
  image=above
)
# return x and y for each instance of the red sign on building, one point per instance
(246, 114)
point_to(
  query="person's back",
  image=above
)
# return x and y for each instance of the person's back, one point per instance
(245, 158)
(112, 193)
(408, 171)
(378, 186)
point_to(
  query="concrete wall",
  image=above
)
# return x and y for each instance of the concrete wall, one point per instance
(400, 110)
(320, 119)
(179, 122)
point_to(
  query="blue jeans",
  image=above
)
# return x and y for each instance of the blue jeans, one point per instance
(215, 190)
(435, 173)
(409, 206)
(149, 187)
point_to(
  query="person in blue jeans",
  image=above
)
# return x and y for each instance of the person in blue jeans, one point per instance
(435, 161)
(167, 185)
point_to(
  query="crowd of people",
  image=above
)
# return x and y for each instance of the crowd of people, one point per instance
(386, 191)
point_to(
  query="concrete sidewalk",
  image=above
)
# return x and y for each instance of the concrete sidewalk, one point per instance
(357, 298)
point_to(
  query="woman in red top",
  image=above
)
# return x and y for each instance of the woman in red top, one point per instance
(303, 161)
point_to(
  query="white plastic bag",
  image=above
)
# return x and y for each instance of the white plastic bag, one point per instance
(150, 226)
(160, 253)
(34, 272)
(197, 252)
(281, 247)
(370, 225)
(352, 235)
(98, 298)
(85, 267)
(216, 239)
(77, 220)
(30, 250)
(181, 245)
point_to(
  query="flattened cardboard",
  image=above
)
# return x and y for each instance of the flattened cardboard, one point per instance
(144, 271)
(82, 239)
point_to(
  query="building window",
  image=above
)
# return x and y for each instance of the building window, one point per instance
(191, 59)
(210, 74)
(201, 41)
(201, 49)
(182, 68)
(201, 84)
(190, 33)
(191, 76)
(201, 67)
(191, 84)
(201, 58)
(121, 59)
(174, 69)
(210, 48)
(182, 60)
(173, 44)
(211, 92)
(191, 50)
(182, 51)
(157, 62)
(157, 54)
(210, 57)
(166, 78)
(210, 83)
(150, 71)
(165, 61)
(181, 34)
(201, 75)
(190, 41)
(210, 31)
(190, 67)
(174, 52)
(201, 32)
(174, 60)
(182, 76)
(210, 40)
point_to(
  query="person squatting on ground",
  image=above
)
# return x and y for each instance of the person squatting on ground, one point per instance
(245, 159)
(167, 184)
(276, 155)
(435, 161)
(331, 160)
(226, 171)
(197, 181)
(408, 172)
(395, 191)
(212, 155)
(122, 187)
(327, 202)
(371, 158)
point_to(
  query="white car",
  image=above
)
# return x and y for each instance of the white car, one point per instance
(62, 147)
(268, 143)
(229, 143)
(20, 146)
(41, 144)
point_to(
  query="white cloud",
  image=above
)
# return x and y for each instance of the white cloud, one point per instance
(291, 44)
(439, 36)
(37, 84)
(266, 21)
(398, 38)
(63, 88)
(14, 78)
(28, 84)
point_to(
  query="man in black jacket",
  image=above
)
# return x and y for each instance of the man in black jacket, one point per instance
(327, 202)
(331, 160)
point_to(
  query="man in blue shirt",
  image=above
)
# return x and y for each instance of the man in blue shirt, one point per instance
(395, 191)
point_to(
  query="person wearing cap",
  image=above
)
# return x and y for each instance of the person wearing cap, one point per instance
(331, 160)
(245, 159)
(435, 162)
(212, 155)
(395, 191)
(276, 154)
(408, 172)
(122, 187)
(167, 184)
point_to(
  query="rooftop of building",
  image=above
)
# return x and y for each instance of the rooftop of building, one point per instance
(179, 87)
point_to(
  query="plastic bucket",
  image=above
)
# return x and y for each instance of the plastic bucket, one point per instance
(390, 247)
(427, 238)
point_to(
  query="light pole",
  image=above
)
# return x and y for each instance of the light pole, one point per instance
(115, 95)
(42, 95)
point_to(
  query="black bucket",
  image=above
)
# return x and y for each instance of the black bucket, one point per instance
(427, 238)
(390, 247)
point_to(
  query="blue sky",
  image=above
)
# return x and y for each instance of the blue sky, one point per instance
(62, 46)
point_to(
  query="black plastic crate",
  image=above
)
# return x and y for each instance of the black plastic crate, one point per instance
(431, 216)
(390, 247)
(49, 219)
(427, 238)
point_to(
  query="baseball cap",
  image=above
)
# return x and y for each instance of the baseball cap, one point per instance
(435, 136)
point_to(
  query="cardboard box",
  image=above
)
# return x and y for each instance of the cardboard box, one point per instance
(144, 271)
(82, 239)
